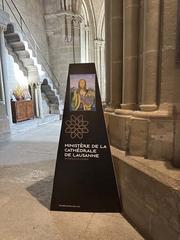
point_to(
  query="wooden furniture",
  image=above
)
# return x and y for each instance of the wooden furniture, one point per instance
(22, 110)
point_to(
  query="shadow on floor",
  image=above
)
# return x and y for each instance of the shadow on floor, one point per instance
(42, 191)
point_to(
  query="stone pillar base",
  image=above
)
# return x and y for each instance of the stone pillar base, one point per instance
(148, 107)
(109, 109)
(123, 111)
(128, 106)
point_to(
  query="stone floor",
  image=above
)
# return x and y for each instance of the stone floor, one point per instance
(27, 162)
(22, 127)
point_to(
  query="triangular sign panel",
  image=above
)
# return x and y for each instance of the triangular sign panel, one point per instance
(84, 177)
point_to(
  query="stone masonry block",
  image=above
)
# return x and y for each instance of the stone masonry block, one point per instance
(106, 117)
(139, 214)
(117, 8)
(2, 110)
(170, 75)
(117, 171)
(156, 196)
(149, 202)
(167, 199)
(138, 137)
(118, 131)
(170, 18)
(135, 182)
(117, 36)
(166, 233)
(160, 144)
(176, 158)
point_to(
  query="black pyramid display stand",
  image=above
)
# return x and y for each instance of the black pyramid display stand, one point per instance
(84, 176)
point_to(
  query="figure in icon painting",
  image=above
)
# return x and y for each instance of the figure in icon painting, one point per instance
(82, 95)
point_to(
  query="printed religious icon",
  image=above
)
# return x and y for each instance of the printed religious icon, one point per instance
(82, 92)
(84, 178)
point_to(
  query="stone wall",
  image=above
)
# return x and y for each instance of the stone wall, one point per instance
(151, 137)
(150, 195)
(4, 110)
(4, 123)
(114, 51)
(61, 51)
(170, 69)
(33, 13)
(143, 78)
(142, 119)
(32, 25)
(97, 5)
(60, 38)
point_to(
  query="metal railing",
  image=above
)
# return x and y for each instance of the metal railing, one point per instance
(9, 5)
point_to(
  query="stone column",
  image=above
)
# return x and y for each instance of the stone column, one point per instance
(82, 43)
(63, 5)
(2, 97)
(100, 62)
(107, 53)
(34, 99)
(103, 69)
(114, 48)
(97, 59)
(130, 53)
(36, 102)
(39, 95)
(84, 47)
(150, 54)
(87, 43)
(5, 74)
(58, 5)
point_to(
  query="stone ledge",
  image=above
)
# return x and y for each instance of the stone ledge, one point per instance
(165, 111)
(160, 170)
(150, 192)
(165, 114)
(109, 109)
(144, 137)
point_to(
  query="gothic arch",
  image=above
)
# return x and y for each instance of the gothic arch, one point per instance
(92, 20)
(101, 24)
(88, 31)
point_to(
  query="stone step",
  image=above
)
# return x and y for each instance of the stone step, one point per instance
(45, 88)
(54, 108)
(28, 61)
(32, 69)
(23, 54)
(53, 99)
(12, 37)
(50, 93)
(17, 46)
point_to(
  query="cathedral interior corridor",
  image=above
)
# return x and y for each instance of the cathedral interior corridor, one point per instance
(134, 46)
